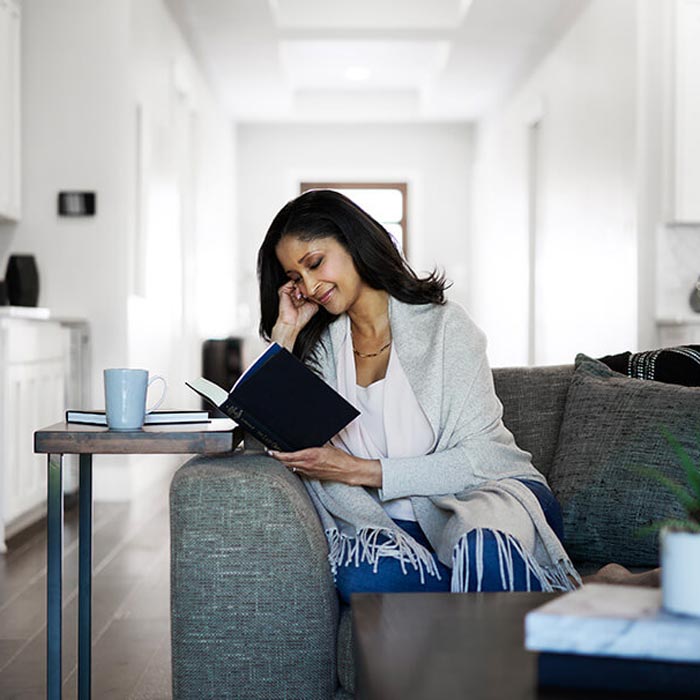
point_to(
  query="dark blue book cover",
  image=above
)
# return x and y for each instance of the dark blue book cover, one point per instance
(648, 678)
(282, 403)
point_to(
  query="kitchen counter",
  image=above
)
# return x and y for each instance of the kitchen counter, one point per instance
(678, 330)
(32, 312)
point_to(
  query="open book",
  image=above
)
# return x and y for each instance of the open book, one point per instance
(281, 402)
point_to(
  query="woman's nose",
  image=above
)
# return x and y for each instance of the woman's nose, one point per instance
(309, 285)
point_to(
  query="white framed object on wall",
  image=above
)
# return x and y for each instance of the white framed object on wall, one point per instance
(684, 114)
(10, 177)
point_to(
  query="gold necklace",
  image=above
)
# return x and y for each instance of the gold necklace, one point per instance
(371, 354)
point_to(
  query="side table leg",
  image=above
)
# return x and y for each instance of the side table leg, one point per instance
(54, 576)
(85, 578)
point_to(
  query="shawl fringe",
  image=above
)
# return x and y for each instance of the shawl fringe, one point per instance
(550, 578)
(365, 547)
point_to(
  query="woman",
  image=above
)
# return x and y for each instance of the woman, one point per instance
(426, 489)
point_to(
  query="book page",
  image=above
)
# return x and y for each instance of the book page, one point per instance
(209, 390)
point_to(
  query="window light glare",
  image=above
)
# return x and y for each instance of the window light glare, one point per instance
(357, 74)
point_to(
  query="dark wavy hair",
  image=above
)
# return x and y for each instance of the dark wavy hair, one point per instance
(323, 214)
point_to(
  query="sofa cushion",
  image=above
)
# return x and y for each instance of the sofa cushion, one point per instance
(610, 424)
(533, 401)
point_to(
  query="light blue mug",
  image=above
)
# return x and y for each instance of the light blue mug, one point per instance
(125, 397)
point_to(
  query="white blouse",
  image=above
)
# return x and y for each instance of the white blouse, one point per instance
(391, 424)
(370, 402)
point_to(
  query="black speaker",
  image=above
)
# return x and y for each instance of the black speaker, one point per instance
(3, 294)
(222, 362)
(22, 280)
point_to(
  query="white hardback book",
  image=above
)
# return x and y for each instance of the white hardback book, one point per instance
(608, 620)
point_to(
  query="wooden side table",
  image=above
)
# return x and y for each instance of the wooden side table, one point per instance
(220, 435)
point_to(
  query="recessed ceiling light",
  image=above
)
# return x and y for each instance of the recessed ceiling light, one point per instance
(357, 74)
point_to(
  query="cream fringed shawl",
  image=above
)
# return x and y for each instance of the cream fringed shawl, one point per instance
(468, 481)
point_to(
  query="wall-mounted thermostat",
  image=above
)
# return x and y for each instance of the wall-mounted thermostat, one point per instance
(77, 203)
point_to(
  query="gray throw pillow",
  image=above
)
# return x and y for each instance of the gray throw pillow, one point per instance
(610, 424)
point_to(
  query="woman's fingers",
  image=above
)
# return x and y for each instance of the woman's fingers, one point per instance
(286, 288)
(300, 457)
(312, 461)
(292, 298)
(291, 460)
(292, 291)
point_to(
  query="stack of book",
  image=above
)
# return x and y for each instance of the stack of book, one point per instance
(164, 417)
(615, 638)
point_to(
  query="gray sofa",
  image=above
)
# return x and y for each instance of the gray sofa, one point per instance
(254, 610)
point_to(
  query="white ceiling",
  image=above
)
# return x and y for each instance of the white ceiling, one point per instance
(368, 60)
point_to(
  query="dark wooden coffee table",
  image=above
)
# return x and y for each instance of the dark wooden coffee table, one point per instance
(421, 646)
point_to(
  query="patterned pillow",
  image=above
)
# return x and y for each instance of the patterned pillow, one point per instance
(679, 365)
(610, 424)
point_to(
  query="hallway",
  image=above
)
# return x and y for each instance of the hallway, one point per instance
(131, 599)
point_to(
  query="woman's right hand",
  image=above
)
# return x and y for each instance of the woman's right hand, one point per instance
(295, 311)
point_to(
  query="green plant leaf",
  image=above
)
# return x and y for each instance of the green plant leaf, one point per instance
(673, 523)
(650, 529)
(685, 525)
(691, 470)
(687, 499)
(687, 495)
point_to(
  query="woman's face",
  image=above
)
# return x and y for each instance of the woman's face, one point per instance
(323, 271)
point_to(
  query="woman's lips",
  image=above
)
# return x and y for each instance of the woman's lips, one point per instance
(324, 299)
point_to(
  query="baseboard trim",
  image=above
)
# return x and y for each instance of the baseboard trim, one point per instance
(33, 521)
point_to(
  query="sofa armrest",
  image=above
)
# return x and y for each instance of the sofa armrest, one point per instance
(254, 612)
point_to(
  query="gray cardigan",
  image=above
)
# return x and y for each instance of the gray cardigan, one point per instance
(443, 354)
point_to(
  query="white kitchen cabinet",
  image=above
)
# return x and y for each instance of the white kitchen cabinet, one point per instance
(673, 332)
(33, 369)
(684, 114)
(9, 110)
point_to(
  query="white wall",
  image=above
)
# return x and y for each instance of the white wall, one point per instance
(435, 160)
(586, 253)
(75, 136)
(672, 251)
(183, 238)
(164, 203)
(652, 76)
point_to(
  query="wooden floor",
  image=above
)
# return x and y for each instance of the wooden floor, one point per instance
(130, 614)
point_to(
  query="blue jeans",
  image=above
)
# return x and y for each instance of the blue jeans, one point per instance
(390, 578)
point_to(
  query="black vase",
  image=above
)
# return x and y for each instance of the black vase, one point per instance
(694, 299)
(22, 280)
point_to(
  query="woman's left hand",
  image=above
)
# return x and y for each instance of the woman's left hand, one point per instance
(331, 464)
